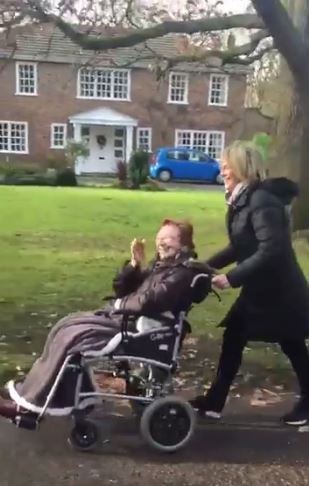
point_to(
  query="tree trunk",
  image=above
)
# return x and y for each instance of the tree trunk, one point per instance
(301, 208)
(299, 11)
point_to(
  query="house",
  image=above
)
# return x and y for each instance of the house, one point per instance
(52, 90)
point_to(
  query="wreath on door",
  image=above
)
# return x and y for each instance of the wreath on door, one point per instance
(101, 141)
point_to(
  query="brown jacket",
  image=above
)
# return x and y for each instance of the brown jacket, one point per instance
(164, 286)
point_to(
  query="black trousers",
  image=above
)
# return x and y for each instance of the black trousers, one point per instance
(230, 360)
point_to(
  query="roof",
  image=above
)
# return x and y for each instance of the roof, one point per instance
(46, 43)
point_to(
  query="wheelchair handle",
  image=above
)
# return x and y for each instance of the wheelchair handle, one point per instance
(197, 277)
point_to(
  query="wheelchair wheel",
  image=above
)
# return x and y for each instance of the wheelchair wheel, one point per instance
(85, 435)
(167, 424)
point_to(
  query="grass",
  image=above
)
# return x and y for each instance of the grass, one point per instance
(59, 249)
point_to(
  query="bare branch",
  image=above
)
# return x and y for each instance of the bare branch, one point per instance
(247, 61)
(198, 54)
(92, 42)
(286, 37)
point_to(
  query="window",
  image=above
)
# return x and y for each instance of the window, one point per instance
(178, 88)
(26, 78)
(218, 89)
(85, 134)
(119, 142)
(210, 142)
(177, 155)
(13, 137)
(144, 139)
(58, 135)
(198, 157)
(105, 84)
(215, 144)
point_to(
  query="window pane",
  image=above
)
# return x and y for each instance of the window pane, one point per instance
(13, 137)
(215, 144)
(200, 141)
(210, 143)
(177, 155)
(119, 132)
(104, 84)
(218, 90)
(85, 131)
(4, 137)
(26, 78)
(120, 85)
(18, 139)
(87, 82)
(184, 138)
(144, 139)
(118, 153)
(58, 136)
(178, 88)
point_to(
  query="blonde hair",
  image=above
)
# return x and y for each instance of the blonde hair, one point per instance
(246, 161)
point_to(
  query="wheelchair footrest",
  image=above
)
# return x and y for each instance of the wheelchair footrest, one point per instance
(25, 421)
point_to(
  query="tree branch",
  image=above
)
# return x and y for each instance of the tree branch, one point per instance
(247, 61)
(286, 37)
(97, 43)
(199, 55)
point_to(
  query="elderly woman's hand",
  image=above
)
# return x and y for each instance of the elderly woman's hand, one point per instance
(137, 252)
(220, 282)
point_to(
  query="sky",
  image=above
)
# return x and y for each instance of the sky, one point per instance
(236, 5)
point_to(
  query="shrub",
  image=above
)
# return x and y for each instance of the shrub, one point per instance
(263, 143)
(53, 162)
(122, 173)
(138, 168)
(74, 150)
(10, 169)
(66, 177)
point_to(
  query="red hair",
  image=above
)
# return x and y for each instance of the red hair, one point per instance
(185, 231)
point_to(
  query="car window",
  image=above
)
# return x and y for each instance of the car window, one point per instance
(177, 155)
(198, 157)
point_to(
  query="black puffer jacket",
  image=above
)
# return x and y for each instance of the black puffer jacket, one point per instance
(274, 300)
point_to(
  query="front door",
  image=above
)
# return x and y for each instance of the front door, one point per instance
(101, 150)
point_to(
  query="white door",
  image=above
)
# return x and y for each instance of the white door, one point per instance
(101, 150)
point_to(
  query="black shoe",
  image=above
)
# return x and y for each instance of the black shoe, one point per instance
(299, 415)
(200, 404)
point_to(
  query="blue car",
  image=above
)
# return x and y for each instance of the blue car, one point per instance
(168, 164)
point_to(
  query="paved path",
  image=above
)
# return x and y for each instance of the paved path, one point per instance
(219, 455)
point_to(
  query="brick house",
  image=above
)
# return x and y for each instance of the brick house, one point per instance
(51, 90)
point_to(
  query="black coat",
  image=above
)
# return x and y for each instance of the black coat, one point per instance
(274, 300)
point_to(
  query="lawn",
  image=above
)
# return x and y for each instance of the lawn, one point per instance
(59, 249)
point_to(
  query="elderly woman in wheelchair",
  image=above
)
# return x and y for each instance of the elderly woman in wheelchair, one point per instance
(137, 335)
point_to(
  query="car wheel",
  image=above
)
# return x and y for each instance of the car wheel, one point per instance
(165, 175)
(219, 180)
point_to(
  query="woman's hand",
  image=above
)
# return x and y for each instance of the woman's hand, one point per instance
(137, 252)
(220, 282)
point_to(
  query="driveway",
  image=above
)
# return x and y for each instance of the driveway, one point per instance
(190, 186)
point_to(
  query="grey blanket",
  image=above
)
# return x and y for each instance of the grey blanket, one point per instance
(73, 334)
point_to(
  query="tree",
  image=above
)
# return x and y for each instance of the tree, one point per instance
(271, 20)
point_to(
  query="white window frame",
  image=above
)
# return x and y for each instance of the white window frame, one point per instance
(216, 132)
(170, 88)
(52, 135)
(26, 151)
(112, 98)
(226, 89)
(138, 131)
(17, 78)
(208, 133)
